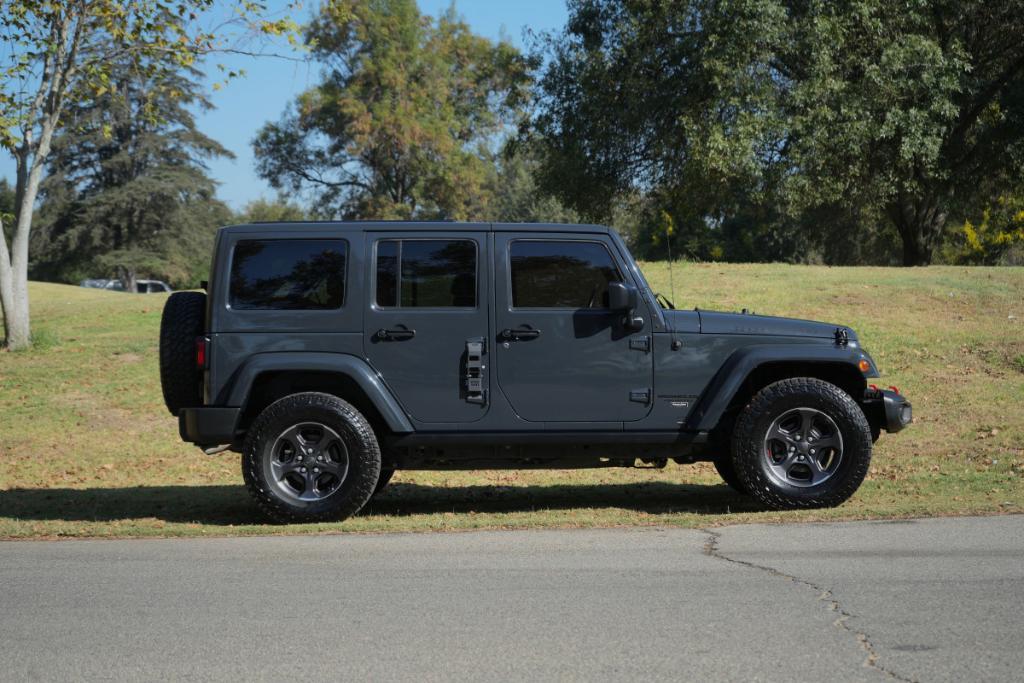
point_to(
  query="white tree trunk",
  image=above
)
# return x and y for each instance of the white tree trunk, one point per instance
(59, 67)
(14, 299)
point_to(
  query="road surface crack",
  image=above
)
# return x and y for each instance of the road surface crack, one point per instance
(824, 595)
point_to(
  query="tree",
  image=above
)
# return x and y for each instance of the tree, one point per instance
(671, 102)
(404, 120)
(51, 48)
(516, 196)
(127, 191)
(994, 237)
(270, 211)
(914, 108)
(893, 109)
(7, 200)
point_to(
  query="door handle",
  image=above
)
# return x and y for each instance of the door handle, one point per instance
(519, 334)
(400, 334)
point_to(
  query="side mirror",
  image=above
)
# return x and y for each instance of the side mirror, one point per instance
(622, 297)
(625, 299)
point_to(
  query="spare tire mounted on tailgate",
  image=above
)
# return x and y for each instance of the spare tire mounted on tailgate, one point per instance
(183, 320)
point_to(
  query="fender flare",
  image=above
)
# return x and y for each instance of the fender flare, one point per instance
(737, 367)
(238, 388)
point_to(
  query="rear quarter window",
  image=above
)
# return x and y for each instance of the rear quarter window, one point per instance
(288, 275)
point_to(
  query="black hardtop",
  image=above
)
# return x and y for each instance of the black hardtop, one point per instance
(277, 227)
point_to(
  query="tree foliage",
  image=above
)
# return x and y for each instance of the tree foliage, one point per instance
(994, 237)
(126, 193)
(405, 119)
(263, 210)
(55, 52)
(716, 109)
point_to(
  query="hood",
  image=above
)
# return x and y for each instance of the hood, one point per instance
(712, 322)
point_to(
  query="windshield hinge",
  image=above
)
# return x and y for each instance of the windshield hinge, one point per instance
(640, 395)
(642, 343)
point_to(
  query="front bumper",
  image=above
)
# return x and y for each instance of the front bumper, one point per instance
(208, 426)
(888, 409)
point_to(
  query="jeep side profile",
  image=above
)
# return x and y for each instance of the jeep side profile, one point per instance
(330, 354)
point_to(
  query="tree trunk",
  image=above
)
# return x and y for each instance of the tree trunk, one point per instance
(920, 222)
(13, 296)
(128, 278)
(59, 67)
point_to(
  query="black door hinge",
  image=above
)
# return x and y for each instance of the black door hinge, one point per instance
(640, 395)
(640, 343)
(475, 392)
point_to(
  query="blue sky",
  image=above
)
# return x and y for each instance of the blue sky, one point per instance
(244, 105)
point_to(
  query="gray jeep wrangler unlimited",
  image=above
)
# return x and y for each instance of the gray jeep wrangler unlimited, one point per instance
(332, 354)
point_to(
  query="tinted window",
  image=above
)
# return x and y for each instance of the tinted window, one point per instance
(561, 274)
(426, 273)
(288, 274)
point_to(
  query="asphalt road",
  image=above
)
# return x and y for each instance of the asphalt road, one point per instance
(934, 600)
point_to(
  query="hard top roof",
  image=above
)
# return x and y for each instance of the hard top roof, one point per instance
(409, 226)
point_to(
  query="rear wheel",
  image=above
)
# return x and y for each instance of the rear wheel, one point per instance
(382, 482)
(311, 457)
(801, 443)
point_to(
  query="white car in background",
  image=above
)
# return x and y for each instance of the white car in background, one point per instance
(141, 286)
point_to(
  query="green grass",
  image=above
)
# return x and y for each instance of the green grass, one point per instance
(87, 448)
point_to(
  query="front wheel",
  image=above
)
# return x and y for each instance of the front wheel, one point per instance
(801, 443)
(723, 465)
(311, 457)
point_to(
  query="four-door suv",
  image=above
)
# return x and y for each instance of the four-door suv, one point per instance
(332, 354)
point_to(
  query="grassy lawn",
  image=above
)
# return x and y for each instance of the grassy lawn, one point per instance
(87, 448)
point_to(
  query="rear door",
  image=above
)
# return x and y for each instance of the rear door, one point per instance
(562, 355)
(426, 321)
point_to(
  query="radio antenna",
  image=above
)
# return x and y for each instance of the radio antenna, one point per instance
(676, 344)
(671, 281)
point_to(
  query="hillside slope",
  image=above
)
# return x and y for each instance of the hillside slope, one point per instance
(87, 448)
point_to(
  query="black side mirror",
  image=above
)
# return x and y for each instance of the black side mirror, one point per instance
(622, 297)
(626, 299)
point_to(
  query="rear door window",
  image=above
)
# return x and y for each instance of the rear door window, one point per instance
(426, 274)
(300, 274)
(561, 274)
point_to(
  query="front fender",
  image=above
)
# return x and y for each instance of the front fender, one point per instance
(238, 388)
(737, 367)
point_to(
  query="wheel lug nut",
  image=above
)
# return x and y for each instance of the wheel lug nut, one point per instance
(812, 451)
(302, 469)
(316, 469)
(319, 458)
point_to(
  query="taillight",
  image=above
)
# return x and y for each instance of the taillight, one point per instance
(202, 352)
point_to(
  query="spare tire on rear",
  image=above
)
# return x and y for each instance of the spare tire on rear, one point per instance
(183, 320)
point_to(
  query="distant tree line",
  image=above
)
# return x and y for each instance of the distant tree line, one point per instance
(742, 130)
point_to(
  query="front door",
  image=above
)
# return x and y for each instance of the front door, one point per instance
(562, 355)
(427, 307)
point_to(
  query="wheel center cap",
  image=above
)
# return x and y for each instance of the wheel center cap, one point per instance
(802, 447)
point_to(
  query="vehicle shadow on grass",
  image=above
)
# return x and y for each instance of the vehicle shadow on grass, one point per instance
(231, 505)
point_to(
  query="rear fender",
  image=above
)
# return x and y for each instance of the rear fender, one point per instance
(239, 388)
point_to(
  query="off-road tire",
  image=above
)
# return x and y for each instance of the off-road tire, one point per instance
(382, 482)
(725, 469)
(183, 319)
(359, 439)
(750, 461)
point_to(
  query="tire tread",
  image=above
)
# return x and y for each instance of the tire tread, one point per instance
(366, 472)
(747, 445)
